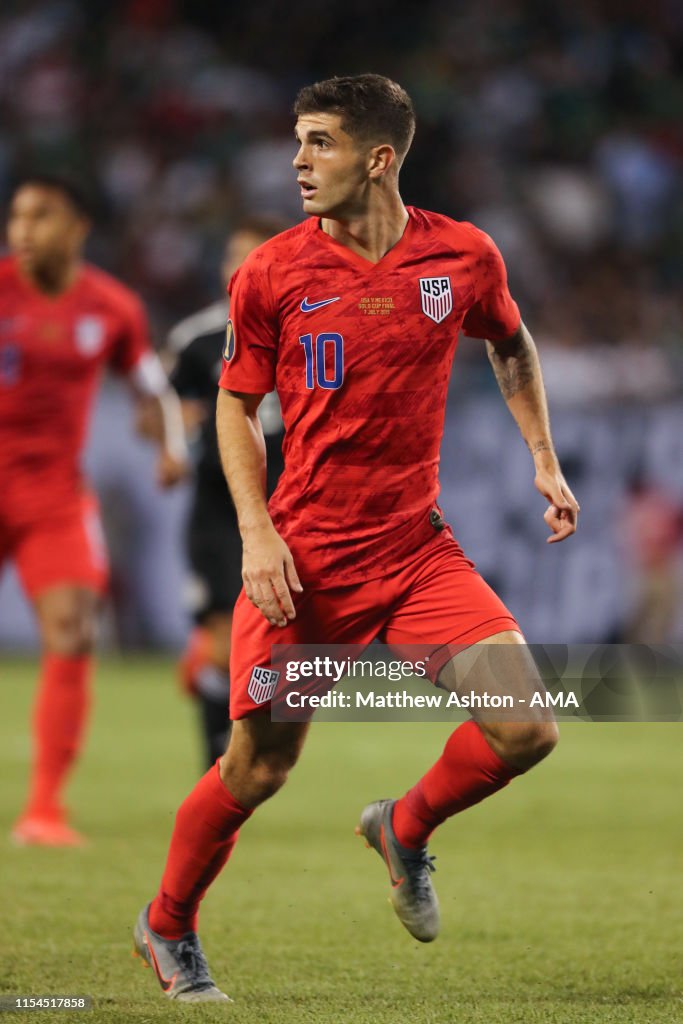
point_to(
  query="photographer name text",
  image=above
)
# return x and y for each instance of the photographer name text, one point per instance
(404, 699)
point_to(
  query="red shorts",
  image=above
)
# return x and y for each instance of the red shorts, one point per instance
(438, 601)
(64, 545)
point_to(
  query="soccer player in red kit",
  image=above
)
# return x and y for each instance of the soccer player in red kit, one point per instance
(62, 322)
(354, 317)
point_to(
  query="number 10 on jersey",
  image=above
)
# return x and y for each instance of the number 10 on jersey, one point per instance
(324, 360)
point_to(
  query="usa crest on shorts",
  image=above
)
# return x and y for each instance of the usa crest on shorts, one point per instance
(262, 684)
(437, 297)
(89, 335)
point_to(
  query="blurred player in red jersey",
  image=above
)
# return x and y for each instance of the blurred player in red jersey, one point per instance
(61, 322)
(354, 317)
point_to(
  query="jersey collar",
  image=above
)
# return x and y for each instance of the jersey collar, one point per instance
(389, 259)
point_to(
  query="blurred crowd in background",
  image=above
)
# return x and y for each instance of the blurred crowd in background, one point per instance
(558, 128)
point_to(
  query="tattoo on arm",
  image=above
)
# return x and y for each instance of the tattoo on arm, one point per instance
(541, 446)
(514, 363)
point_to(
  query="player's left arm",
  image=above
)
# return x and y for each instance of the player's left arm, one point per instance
(159, 414)
(517, 369)
(188, 380)
(159, 405)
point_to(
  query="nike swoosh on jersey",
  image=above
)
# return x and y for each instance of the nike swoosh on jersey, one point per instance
(308, 307)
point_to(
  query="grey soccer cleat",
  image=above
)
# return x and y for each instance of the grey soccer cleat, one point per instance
(412, 895)
(179, 964)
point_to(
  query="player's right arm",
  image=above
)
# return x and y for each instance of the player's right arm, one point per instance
(268, 569)
(249, 361)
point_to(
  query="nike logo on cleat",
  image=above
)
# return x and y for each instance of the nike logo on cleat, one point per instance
(395, 882)
(308, 307)
(165, 983)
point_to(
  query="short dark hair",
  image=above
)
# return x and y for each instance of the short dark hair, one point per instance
(371, 107)
(70, 189)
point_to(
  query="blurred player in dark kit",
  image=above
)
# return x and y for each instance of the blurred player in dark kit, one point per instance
(354, 317)
(62, 322)
(213, 540)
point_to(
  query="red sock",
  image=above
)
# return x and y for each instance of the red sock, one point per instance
(206, 829)
(59, 718)
(467, 772)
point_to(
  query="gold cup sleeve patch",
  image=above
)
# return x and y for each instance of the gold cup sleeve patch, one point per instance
(229, 347)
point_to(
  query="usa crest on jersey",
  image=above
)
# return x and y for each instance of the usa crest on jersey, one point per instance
(89, 335)
(262, 684)
(437, 297)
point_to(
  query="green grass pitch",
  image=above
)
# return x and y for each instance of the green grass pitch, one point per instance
(561, 896)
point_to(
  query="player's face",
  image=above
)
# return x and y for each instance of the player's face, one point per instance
(237, 249)
(44, 229)
(331, 166)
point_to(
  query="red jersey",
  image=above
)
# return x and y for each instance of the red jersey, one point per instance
(52, 352)
(361, 355)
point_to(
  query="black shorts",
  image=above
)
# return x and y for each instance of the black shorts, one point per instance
(214, 545)
(215, 556)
